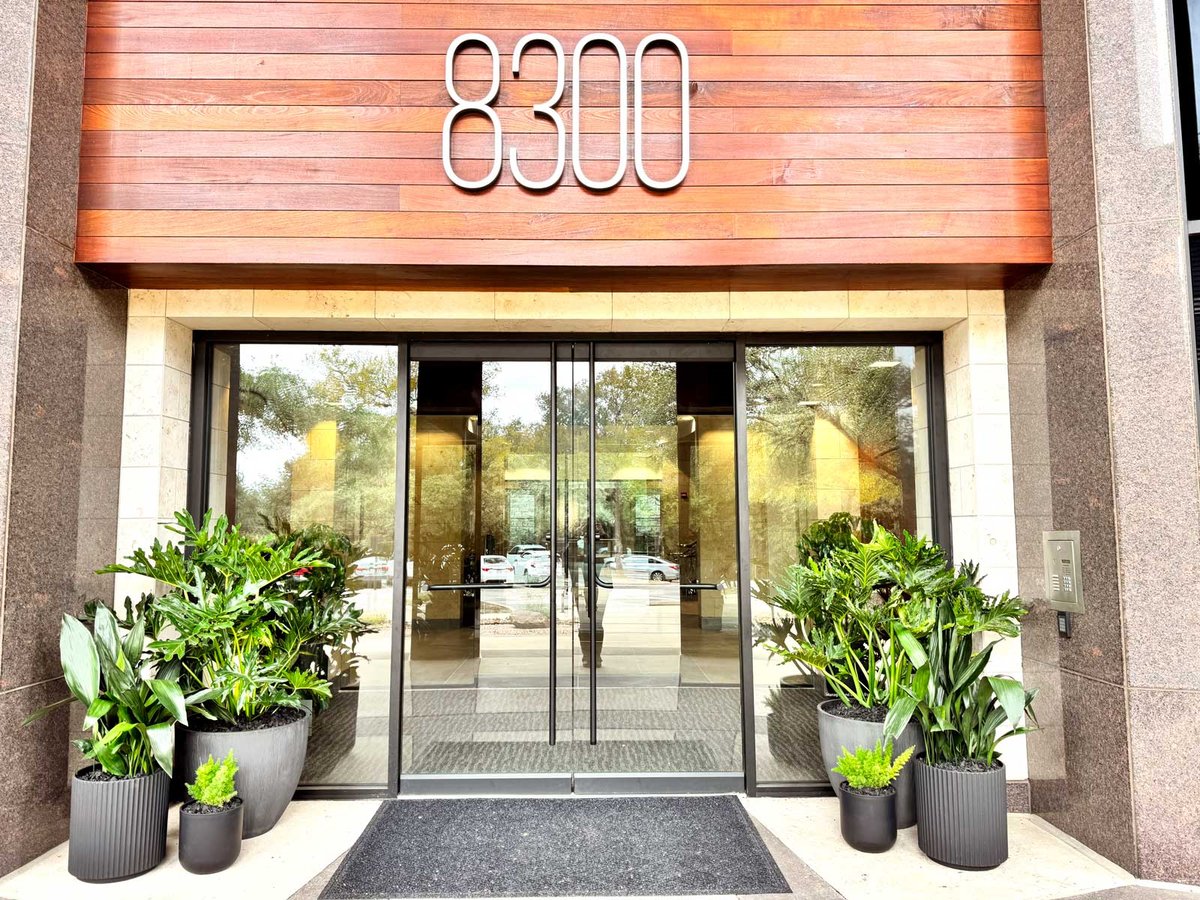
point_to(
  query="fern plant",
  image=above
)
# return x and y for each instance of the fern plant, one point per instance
(214, 785)
(872, 769)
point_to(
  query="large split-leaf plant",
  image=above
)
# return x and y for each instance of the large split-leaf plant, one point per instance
(227, 617)
(851, 613)
(132, 703)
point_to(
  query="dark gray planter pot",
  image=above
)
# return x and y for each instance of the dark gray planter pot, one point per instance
(868, 822)
(118, 828)
(210, 841)
(962, 816)
(837, 732)
(269, 761)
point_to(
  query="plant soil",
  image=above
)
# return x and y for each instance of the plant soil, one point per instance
(98, 774)
(195, 808)
(870, 792)
(277, 718)
(860, 713)
(967, 765)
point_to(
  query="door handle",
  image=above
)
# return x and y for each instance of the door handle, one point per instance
(475, 586)
(699, 585)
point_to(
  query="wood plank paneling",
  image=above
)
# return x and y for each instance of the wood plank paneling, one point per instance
(269, 134)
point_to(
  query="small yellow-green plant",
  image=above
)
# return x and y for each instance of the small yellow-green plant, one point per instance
(867, 768)
(214, 782)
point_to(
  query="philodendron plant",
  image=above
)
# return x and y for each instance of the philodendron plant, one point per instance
(131, 705)
(227, 616)
(856, 610)
(964, 714)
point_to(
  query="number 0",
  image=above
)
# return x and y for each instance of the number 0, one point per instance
(685, 130)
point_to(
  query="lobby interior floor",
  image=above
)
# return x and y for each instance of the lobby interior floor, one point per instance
(296, 859)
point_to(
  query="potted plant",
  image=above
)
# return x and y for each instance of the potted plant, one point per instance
(854, 607)
(867, 796)
(228, 619)
(323, 606)
(210, 824)
(961, 794)
(119, 803)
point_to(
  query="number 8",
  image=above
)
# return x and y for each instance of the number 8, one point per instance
(472, 106)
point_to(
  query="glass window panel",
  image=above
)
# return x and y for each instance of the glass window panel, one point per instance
(829, 430)
(306, 435)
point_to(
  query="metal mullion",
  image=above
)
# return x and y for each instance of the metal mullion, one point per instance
(399, 570)
(553, 544)
(592, 587)
(742, 492)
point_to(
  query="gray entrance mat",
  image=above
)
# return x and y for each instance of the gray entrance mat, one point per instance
(558, 847)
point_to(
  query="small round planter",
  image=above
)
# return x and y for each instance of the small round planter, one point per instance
(269, 760)
(118, 827)
(868, 820)
(210, 841)
(837, 732)
(962, 816)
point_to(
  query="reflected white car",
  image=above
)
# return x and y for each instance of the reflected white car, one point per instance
(532, 567)
(640, 567)
(495, 570)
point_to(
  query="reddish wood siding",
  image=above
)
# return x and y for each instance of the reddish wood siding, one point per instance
(824, 133)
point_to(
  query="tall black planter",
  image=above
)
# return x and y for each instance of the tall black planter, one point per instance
(868, 822)
(118, 827)
(210, 841)
(269, 760)
(962, 817)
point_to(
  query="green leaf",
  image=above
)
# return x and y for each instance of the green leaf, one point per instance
(898, 717)
(162, 743)
(110, 737)
(135, 641)
(107, 637)
(171, 697)
(97, 711)
(912, 647)
(80, 662)
(1011, 695)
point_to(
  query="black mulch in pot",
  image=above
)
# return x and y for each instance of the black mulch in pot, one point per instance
(967, 765)
(98, 774)
(869, 791)
(860, 713)
(195, 807)
(274, 719)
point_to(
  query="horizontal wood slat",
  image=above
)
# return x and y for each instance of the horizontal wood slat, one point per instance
(564, 17)
(269, 134)
(445, 198)
(565, 226)
(301, 170)
(469, 251)
(396, 40)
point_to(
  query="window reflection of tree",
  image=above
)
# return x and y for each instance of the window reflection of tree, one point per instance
(790, 388)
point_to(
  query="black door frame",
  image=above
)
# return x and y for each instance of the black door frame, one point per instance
(198, 473)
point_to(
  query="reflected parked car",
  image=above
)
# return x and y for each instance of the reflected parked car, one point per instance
(495, 570)
(519, 550)
(640, 567)
(375, 571)
(532, 567)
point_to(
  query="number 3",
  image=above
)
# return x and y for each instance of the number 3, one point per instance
(543, 109)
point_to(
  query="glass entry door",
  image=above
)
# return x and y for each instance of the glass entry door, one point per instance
(571, 593)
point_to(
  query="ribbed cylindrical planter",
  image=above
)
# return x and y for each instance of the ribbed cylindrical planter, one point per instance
(868, 820)
(837, 732)
(962, 817)
(210, 841)
(269, 762)
(118, 827)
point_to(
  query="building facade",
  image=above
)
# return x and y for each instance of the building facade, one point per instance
(572, 318)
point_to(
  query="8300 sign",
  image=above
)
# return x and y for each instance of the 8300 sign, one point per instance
(483, 107)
